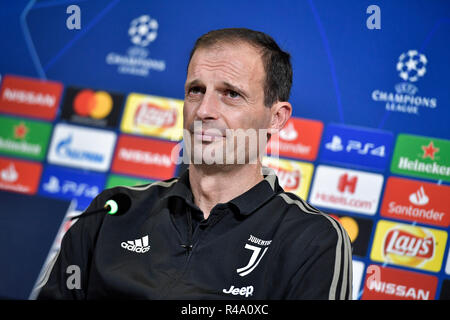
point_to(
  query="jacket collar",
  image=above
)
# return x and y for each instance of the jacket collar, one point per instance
(246, 203)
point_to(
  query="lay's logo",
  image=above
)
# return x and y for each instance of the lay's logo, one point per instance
(289, 179)
(410, 246)
(153, 116)
(401, 243)
(149, 114)
(293, 176)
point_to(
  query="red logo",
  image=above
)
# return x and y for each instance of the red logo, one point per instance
(347, 184)
(144, 157)
(30, 97)
(404, 243)
(384, 283)
(299, 138)
(289, 179)
(429, 151)
(416, 201)
(19, 176)
(148, 114)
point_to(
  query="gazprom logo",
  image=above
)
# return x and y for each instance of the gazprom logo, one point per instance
(64, 149)
(81, 147)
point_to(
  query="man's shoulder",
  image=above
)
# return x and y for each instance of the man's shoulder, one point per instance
(302, 213)
(157, 188)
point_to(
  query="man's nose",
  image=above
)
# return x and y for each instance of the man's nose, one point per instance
(208, 108)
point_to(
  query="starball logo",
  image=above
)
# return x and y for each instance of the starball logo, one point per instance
(411, 66)
(142, 32)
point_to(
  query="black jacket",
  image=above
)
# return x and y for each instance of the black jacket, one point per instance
(264, 244)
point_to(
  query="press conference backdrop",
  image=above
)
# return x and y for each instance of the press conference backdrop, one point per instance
(91, 97)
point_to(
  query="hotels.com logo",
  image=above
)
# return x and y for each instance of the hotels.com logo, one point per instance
(152, 115)
(347, 184)
(348, 190)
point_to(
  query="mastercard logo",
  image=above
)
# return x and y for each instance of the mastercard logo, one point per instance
(350, 225)
(94, 104)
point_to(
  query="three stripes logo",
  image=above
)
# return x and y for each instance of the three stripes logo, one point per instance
(139, 245)
(258, 253)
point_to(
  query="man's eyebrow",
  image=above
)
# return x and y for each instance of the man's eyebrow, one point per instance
(192, 83)
(235, 88)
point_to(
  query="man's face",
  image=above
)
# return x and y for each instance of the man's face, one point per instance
(223, 91)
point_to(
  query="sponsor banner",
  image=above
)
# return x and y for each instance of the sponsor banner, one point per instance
(24, 138)
(445, 290)
(422, 157)
(409, 246)
(144, 157)
(68, 184)
(447, 266)
(30, 97)
(93, 108)
(416, 201)
(19, 176)
(358, 272)
(115, 180)
(347, 190)
(359, 231)
(293, 176)
(300, 138)
(384, 283)
(358, 146)
(80, 147)
(153, 116)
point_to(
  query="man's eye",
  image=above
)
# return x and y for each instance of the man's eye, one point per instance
(195, 90)
(232, 94)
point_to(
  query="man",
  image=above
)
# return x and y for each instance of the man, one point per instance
(223, 229)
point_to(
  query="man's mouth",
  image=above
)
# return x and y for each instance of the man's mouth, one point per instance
(206, 136)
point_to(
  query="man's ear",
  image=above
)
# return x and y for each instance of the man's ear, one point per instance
(281, 112)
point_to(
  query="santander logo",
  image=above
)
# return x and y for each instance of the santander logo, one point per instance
(419, 197)
(289, 133)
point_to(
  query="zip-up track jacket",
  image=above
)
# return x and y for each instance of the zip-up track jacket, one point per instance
(263, 244)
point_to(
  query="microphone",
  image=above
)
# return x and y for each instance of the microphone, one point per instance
(118, 204)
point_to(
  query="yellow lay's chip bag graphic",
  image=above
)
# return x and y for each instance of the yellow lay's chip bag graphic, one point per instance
(410, 246)
(153, 116)
(293, 176)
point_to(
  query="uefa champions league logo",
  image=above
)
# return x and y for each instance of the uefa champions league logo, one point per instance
(411, 65)
(136, 61)
(143, 30)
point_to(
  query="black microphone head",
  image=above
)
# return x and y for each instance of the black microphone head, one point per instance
(119, 204)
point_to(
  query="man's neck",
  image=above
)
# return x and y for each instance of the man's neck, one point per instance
(213, 185)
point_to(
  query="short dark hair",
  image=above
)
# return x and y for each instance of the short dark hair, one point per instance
(276, 62)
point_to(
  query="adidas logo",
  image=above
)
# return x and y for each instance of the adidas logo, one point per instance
(139, 245)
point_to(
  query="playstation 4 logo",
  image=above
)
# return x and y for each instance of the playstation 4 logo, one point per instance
(336, 145)
(69, 184)
(358, 146)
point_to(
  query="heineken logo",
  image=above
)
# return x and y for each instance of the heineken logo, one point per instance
(25, 138)
(422, 157)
